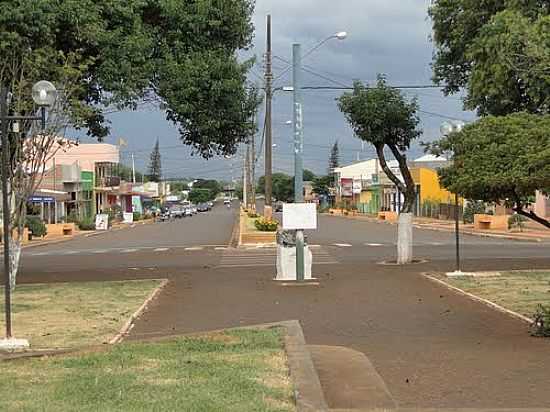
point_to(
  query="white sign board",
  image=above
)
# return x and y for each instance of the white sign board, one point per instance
(357, 187)
(128, 217)
(299, 216)
(101, 222)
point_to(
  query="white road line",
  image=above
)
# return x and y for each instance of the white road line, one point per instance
(220, 248)
(161, 249)
(374, 244)
(342, 244)
(40, 254)
(100, 251)
(128, 251)
(194, 248)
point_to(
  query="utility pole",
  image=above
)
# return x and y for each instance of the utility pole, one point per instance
(245, 176)
(133, 169)
(268, 124)
(252, 163)
(298, 152)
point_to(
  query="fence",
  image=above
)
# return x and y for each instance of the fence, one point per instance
(442, 211)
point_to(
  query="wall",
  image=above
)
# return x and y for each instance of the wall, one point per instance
(430, 189)
(85, 154)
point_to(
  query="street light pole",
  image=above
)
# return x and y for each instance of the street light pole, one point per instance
(298, 151)
(268, 122)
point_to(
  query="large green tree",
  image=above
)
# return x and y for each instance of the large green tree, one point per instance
(283, 186)
(497, 50)
(500, 159)
(124, 52)
(383, 117)
(213, 185)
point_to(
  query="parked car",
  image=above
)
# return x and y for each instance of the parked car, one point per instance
(210, 205)
(188, 212)
(203, 207)
(226, 201)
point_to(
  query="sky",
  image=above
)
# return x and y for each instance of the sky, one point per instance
(384, 36)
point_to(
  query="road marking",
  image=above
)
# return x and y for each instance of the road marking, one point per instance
(342, 244)
(194, 248)
(161, 249)
(374, 244)
(40, 254)
(220, 248)
(128, 251)
(100, 251)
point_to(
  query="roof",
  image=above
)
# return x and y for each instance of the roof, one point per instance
(431, 158)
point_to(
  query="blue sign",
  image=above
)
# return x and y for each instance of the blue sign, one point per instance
(41, 199)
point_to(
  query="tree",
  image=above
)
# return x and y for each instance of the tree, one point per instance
(499, 51)
(200, 196)
(213, 185)
(322, 185)
(114, 55)
(501, 160)
(384, 118)
(308, 176)
(126, 174)
(154, 173)
(283, 186)
(334, 159)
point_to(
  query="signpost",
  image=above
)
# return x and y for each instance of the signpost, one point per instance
(101, 221)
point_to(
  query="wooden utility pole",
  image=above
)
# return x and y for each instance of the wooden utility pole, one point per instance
(268, 126)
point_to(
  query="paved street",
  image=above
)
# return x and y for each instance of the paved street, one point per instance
(432, 347)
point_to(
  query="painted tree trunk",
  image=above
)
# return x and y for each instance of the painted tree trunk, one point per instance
(15, 256)
(405, 239)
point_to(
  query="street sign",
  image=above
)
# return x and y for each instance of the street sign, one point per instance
(101, 221)
(298, 216)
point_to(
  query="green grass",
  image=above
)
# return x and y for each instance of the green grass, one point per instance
(63, 315)
(237, 371)
(517, 291)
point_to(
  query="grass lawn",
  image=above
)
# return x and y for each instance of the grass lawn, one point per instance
(243, 370)
(517, 291)
(64, 315)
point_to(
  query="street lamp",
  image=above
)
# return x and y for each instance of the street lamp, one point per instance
(446, 129)
(44, 95)
(298, 120)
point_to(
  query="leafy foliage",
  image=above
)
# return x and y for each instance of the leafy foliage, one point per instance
(283, 186)
(213, 185)
(123, 53)
(473, 207)
(541, 324)
(382, 117)
(36, 226)
(201, 195)
(334, 159)
(498, 50)
(500, 159)
(266, 225)
(322, 185)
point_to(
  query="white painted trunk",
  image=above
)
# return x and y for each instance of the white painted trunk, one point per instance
(405, 239)
(15, 256)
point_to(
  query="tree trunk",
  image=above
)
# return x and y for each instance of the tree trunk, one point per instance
(533, 216)
(405, 239)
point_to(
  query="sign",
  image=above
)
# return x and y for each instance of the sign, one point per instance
(347, 187)
(41, 199)
(128, 217)
(136, 204)
(101, 222)
(299, 216)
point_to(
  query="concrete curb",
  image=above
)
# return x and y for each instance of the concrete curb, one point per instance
(478, 299)
(235, 239)
(130, 322)
(440, 229)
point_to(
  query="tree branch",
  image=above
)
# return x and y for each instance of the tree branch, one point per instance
(387, 170)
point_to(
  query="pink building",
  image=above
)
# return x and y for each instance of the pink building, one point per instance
(85, 155)
(542, 206)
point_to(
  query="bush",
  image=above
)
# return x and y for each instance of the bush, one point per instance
(474, 207)
(516, 222)
(137, 216)
(36, 226)
(87, 223)
(541, 324)
(265, 225)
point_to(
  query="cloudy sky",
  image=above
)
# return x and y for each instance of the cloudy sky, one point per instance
(385, 36)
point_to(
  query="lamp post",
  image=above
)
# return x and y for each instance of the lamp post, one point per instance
(44, 95)
(446, 129)
(299, 139)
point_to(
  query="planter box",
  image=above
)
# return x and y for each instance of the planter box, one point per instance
(252, 238)
(490, 222)
(60, 229)
(388, 216)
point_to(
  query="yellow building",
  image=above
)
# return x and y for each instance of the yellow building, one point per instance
(429, 188)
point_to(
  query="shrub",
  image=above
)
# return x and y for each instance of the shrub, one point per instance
(86, 223)
(516, 222)
(137, 216)
(36, 226)
(541, 324)
(474, 207)
(265, 225)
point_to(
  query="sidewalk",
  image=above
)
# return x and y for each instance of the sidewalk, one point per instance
(531, 233)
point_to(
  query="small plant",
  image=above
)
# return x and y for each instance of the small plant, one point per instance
(541, 322)
(474, 207)
(86, 223)
(253, 215)
(36, 226)
(517, 222)
(266, 225)
(137, 216)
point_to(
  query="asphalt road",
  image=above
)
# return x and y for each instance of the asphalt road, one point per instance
(433, 348)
